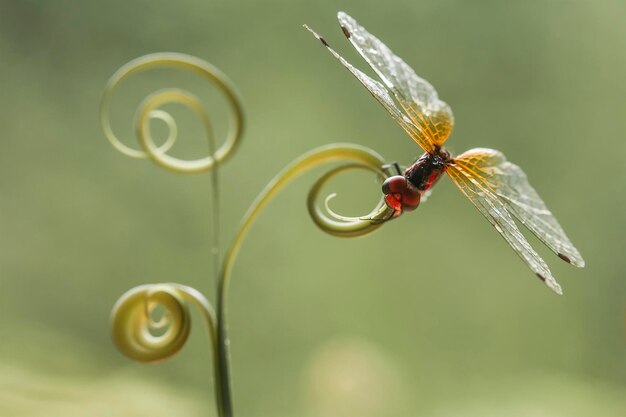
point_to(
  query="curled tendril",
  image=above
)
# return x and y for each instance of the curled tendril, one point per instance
(141, 336)
(149, 109)
(345, 226)
(353, 156)
(134, 327)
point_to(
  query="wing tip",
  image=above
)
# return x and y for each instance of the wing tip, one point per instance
(565, 258)
(316, 35)
(551, 283)
(577, 260)
(346, 20)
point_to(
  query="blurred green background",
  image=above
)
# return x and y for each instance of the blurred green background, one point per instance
(414, 320)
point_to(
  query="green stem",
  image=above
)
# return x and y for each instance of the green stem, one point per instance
(333, 153)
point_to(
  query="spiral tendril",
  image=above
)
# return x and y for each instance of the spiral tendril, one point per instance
(133, 323)
(346, 226)
(148, 110)
(358, 157)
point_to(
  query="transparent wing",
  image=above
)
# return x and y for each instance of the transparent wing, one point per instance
(377, 90)
(476, 186)
(510, 183)
(416, 96)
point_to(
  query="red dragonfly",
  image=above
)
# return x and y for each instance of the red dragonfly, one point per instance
(498, 188)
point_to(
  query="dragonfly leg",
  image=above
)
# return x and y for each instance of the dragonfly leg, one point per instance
(394, 164)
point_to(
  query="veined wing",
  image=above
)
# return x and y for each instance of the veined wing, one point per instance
(376, 89)
(477, 186)
(510, 183)
(416, 96)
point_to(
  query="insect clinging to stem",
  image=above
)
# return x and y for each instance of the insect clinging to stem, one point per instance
(498, 188)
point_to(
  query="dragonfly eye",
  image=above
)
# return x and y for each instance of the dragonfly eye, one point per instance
(395, 184)
(400, 195)
(411, 198)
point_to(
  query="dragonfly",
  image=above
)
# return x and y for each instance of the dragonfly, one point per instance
(498, 188)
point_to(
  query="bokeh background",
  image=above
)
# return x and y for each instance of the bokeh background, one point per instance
(433, 315)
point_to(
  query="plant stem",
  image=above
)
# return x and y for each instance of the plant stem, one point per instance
(326, 154)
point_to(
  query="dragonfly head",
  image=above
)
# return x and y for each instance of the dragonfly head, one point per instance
(400, 194)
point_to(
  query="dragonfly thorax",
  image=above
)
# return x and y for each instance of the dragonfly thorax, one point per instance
(427, 169)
